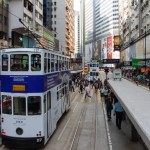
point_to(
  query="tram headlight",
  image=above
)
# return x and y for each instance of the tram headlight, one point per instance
(19, 131)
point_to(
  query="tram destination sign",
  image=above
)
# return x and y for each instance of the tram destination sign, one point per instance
(110, 61)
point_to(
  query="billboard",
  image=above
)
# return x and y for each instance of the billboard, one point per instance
(109, 47)
(104, 48)
(96, 49)
(88, 53)
(117, 43)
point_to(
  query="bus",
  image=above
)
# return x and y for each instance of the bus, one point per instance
(94, 70)
(34, 95)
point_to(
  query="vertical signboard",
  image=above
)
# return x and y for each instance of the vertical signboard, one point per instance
(103, 48)
(117, 43)
(88, 53)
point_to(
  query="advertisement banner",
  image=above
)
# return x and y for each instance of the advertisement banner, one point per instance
(88, 53)
(104, 48)
(96, 48)
(117, 43)
(109, 47)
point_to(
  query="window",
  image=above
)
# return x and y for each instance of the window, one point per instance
(52, 63)
(54, 16)
(4, 62)
(35, 62)
(45, 65)
(34, 105)
(55, 3)
(6, 104)
(19, 62)
(49, 63)
(19, 105)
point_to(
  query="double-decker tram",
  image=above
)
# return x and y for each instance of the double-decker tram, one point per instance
(94, 70)
(34, 95)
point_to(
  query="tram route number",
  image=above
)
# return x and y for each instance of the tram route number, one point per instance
(38, 140)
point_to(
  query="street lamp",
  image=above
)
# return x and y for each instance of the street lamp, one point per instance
(145, 48)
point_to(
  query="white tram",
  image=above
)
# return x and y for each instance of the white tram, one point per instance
(34, 95)
(94, 70)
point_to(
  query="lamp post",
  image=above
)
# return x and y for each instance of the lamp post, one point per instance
(145, 48)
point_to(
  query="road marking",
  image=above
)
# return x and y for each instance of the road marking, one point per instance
(63, 130)
(75, 107)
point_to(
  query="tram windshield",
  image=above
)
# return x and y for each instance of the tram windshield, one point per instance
(19, 62)
(34, 105)
(6, 104)
(19, 105)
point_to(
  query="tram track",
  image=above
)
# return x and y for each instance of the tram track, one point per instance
(93, 128)
(76, 136)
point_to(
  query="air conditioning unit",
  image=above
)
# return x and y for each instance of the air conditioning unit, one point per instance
(31, 28)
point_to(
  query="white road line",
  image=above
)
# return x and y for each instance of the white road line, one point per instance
(75, 107)
(63, 130)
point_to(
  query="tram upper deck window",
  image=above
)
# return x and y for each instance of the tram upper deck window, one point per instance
(19, 106)
(6, 104)
(19, 62)
(34, 105)
(52, 63)
(4, 62)
(36, 62)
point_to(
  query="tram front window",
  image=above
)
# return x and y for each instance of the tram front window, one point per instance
(34, 105)
(6, 104)
(19, 62)
(19, 105)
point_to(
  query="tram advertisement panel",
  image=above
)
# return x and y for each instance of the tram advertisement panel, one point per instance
(32, 83)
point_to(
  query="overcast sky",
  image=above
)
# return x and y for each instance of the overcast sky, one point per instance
(77, 5)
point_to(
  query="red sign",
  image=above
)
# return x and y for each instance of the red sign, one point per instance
(109, 47)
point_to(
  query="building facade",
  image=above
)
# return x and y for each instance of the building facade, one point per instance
(60, 20)
(4, 24)
(77, 50)
(135, 30)
(101, 25)
(25, 25)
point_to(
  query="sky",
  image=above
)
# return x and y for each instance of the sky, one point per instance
(77, 5)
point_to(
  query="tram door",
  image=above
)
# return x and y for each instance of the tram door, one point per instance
(47, 114)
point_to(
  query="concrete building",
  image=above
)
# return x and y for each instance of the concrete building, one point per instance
(60, 20)
(3, 24)
(77, 50)
(101, 25)
(26, 25)
(134, 30)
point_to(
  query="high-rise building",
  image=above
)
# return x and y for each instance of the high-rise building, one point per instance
(26, 25)
(60, 20)
(3, 24)
(31, 14)
(134, 30)
(77, 50)
(101, 25)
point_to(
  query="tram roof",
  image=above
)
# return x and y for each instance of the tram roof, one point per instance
(32, 50)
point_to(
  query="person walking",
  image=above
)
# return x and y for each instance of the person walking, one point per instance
(118, 111)
(87, 92)
(109, 107)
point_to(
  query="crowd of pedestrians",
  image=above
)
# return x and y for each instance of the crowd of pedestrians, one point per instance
(111, 102)
(137, 76)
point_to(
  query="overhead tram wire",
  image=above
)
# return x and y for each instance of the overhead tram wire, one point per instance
(26, 28)
(31, 32)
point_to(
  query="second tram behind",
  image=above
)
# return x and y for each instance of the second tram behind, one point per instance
(34, 95)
